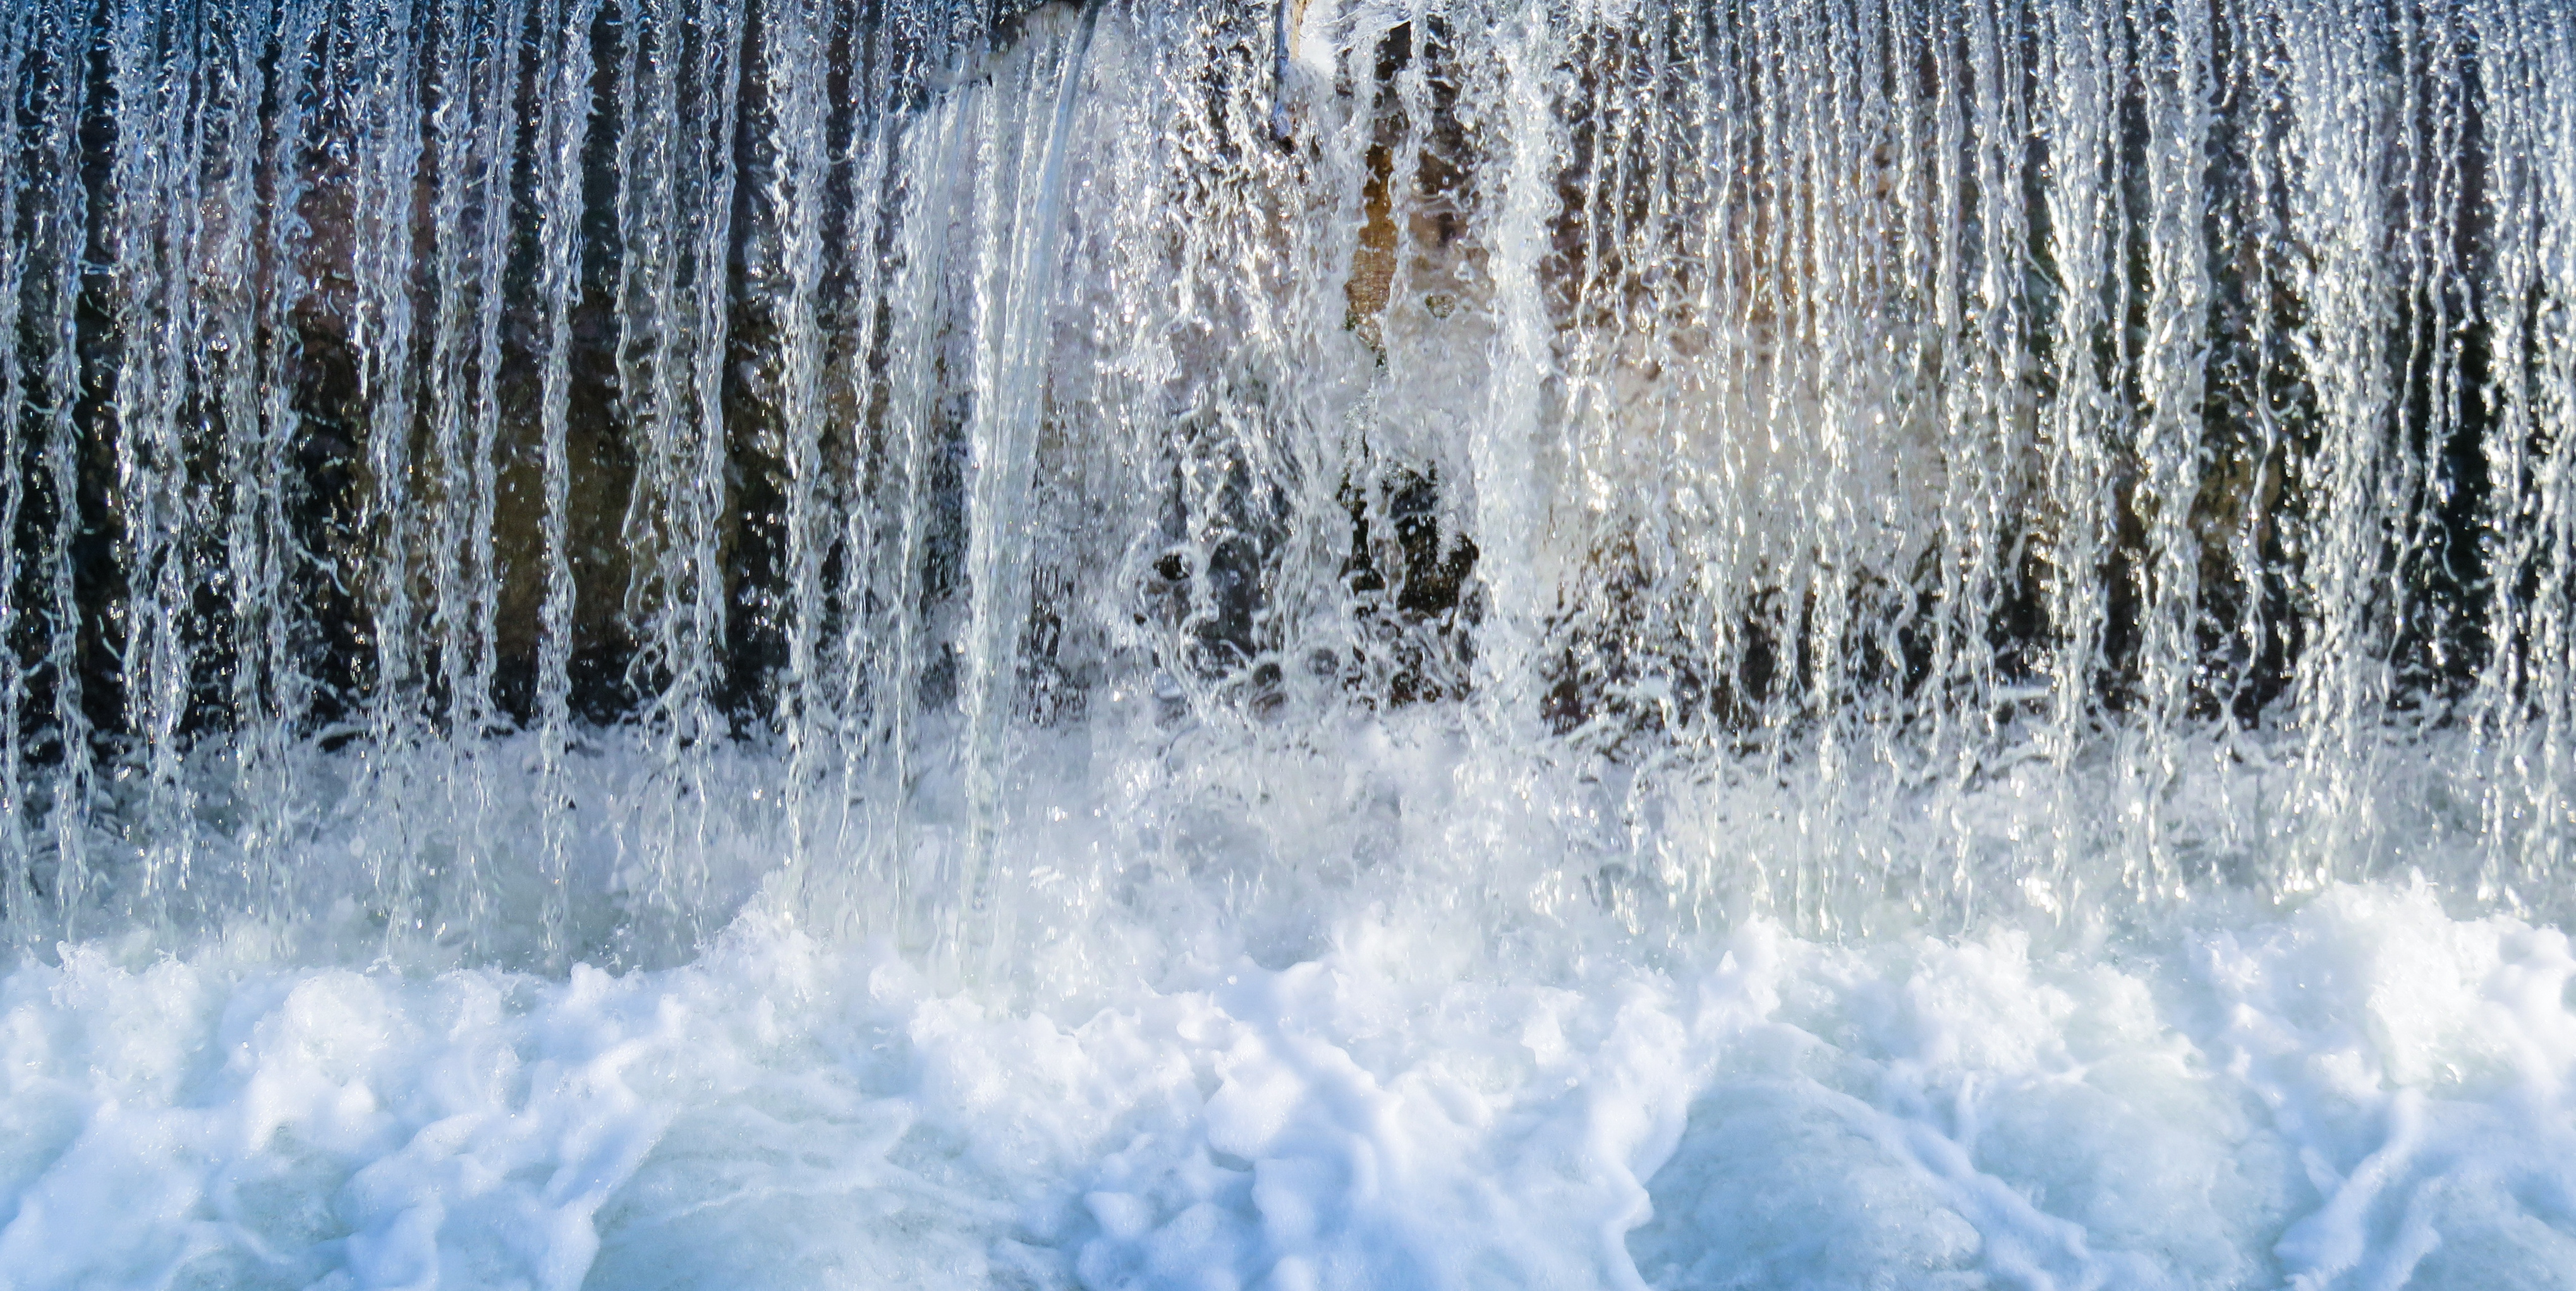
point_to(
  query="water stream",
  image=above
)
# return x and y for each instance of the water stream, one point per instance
(1339, 643)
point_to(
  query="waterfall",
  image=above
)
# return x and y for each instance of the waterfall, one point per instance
(514, 480)
(1287, 643)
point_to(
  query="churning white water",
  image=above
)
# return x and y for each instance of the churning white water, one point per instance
(2367, 1092)
(1339, 643)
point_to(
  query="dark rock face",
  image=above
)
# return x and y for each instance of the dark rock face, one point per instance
(524, 174)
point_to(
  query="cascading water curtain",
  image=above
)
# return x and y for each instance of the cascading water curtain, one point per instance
(475, 466)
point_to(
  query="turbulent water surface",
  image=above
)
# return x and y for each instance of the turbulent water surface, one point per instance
(1344, 643)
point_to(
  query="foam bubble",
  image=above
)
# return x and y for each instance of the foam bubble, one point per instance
(2366, 1092)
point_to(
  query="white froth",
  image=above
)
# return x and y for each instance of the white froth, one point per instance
(2366, 1093)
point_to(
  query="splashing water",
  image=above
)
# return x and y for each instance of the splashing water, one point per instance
(1461, 642)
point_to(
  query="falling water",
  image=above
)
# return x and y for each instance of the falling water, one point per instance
(2009, 460)
(1248, 519)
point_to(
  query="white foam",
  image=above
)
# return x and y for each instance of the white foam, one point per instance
(2364, 1092)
